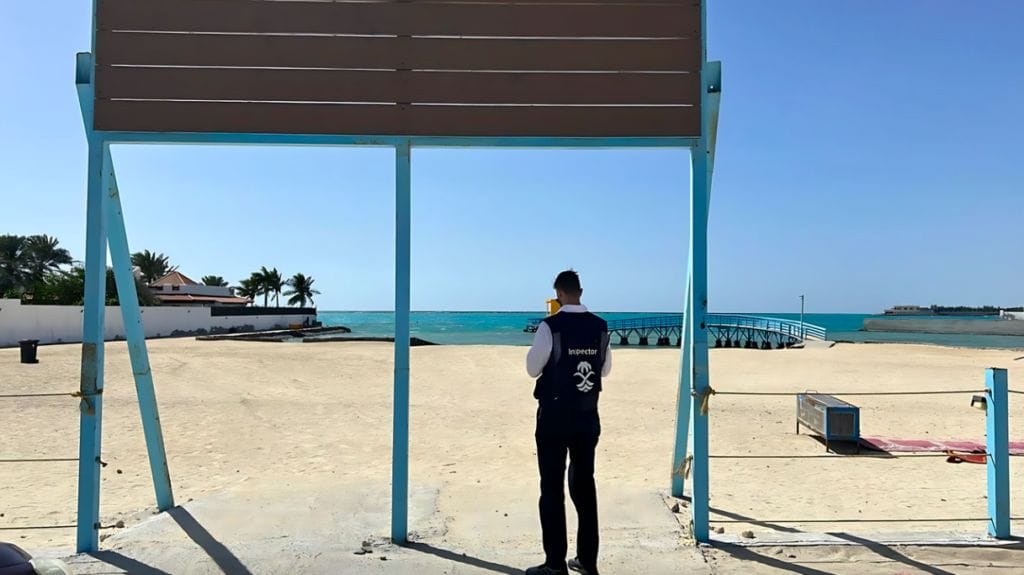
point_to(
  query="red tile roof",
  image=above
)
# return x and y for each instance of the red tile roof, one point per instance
(174, 278)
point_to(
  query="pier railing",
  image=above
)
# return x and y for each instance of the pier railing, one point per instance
(793, 328)
(786, 327)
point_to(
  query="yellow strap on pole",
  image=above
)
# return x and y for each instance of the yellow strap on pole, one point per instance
(705, 399)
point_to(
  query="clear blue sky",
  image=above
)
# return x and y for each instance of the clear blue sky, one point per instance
(869, 155)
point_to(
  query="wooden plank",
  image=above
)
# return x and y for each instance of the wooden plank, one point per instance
(619, 20)
(244, 50)
(342, 119)
(282, 85)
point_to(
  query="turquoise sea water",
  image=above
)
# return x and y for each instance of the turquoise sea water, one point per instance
(506, 328)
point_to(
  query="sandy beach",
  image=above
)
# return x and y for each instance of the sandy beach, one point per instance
(299, 435)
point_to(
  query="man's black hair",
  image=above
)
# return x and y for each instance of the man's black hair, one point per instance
(568, 282)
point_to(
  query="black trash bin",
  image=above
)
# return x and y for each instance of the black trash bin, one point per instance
(28, 350)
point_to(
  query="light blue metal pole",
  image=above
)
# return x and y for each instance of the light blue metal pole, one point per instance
(712, 92)
(400, 441)
(699, 202)
(713, 85)
(91, 406)
(135, 335)
(699, 342)
(997, 445)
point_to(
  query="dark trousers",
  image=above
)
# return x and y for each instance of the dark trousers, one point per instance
(575, 433)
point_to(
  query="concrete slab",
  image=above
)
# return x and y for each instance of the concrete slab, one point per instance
(255, 529)
(259, 527)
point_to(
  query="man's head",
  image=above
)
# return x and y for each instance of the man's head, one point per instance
(567, 288)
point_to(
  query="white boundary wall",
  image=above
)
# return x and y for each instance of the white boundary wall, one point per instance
(63, 323)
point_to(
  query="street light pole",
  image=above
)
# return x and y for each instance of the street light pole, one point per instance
(801, 316)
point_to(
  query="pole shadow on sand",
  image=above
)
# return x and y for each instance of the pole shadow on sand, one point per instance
(226, 561)
(125, 564)
(463, 558)
(750, 554)
(221, 555)
(737, 518)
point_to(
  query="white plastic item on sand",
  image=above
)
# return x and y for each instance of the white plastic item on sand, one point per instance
(50, 566)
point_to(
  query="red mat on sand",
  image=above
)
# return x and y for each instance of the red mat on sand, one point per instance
(928, 445)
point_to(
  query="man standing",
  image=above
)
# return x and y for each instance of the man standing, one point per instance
(569, 358)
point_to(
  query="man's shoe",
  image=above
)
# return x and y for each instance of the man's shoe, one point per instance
(578, 567)
(545, 570)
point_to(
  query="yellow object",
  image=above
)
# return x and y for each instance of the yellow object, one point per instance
(295, 326)
(553, 306)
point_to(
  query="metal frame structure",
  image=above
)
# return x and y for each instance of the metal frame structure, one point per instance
(106, 227)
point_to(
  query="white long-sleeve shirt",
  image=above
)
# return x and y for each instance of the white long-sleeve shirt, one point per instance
(540, 351)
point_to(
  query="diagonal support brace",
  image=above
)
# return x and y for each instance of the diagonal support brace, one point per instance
(131, 314)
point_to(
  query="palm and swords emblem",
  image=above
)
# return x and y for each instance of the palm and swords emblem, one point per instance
(583, 371)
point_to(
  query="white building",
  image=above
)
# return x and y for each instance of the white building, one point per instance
(63, 323)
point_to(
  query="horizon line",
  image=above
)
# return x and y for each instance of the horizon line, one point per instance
(595, 311)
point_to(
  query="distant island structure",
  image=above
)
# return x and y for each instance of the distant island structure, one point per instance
(987, 310)
(957, 320)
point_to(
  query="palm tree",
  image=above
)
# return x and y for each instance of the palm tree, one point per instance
(273, 283)
(302, 289)
(259, 283)
(25, 261)
(249, 287)
(12, 269)
(152, 265)
(216, 281)
(42, 255)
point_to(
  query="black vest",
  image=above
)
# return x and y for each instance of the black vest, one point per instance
(572, 376)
